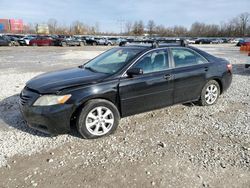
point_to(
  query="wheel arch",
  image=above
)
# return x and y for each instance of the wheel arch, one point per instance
(78, 109)
(220, 84)
(218, 80)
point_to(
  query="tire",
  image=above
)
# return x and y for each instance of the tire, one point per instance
(211, 98)
(81, 44)
(94, 43)
(91, 119)
(64, 44)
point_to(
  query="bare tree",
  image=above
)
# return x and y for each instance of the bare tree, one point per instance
(236, 27)
(180, 31)
(128, 27)
(52, 24)
(97, 27)
(140, 27)
(151, 27)
(244, 19)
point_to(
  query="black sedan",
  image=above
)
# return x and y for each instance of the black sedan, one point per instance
(5, 41)
(203, 41)
(121, 82)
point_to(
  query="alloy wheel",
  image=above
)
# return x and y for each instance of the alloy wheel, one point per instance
(211, 94)
(99, 121)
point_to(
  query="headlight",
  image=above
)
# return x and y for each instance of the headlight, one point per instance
(47, 100)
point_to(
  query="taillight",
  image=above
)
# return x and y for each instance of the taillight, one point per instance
(229, 67)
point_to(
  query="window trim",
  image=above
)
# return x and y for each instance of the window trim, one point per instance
(124, 74)
(188, 49)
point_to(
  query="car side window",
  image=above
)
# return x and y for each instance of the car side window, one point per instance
(185, 57)
(153, 62)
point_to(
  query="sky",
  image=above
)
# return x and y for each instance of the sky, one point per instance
(109, 13)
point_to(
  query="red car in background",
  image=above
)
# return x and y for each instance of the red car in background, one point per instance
(42, 41)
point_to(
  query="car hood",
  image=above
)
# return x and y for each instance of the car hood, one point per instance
(55, 81)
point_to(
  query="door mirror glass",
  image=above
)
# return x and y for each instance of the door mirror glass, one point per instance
(134, 71)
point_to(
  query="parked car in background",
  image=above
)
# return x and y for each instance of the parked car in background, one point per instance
(126, 40)
(236, 40)
(25, 41)
(72, 41)
(115, 40)
(42, 41)
(103, 41)
(5, 41)
(203, 41)
(246, 42)
(89, 40)
(121, 82)
(14, 41)
(217, 41)
(191, 40)
(243, 42)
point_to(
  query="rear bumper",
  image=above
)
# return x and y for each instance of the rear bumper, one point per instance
(226, 81)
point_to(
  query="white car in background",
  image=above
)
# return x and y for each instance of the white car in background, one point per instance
(191, 41)
(235, 41)
(25, 41)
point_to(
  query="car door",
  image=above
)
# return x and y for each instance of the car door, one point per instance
(189, 74)
(2, 42)
(151, 90)
(39, 41)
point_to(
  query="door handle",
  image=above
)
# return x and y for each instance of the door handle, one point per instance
(206, 69)
(168, 76)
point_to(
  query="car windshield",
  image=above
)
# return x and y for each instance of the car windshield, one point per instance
(112, 61)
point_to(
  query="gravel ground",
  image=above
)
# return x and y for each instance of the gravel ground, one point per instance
(178, 146)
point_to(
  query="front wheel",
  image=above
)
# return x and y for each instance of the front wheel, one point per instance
(210, 93)
(97, 118)
(63, 44)
(81, 44)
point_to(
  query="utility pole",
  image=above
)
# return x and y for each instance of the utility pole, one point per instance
(121, 24)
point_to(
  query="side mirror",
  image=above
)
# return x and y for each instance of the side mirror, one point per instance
(134, 71)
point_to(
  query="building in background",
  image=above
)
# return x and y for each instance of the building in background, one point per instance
(42, 29)
(11, 25)
(16, 26)
(4, 25)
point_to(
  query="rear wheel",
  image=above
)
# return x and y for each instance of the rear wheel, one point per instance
(81, 44)
(64, 44)
(210, 93)
(97, 118)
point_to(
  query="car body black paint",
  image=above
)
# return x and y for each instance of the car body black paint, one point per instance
(131, 95)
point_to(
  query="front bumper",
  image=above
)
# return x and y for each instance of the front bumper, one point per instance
(48, 119)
